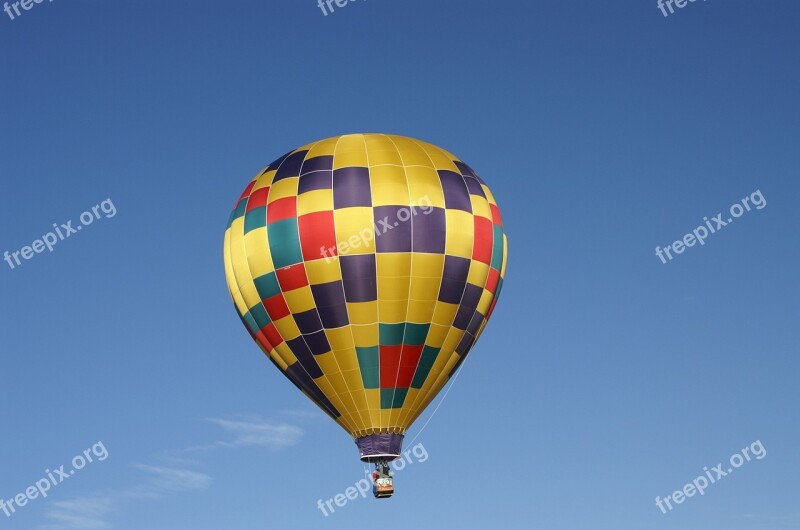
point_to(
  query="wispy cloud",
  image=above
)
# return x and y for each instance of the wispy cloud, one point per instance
(246, 432)
(167, 479)
(173, 476)
(89, 513)
(259, 433)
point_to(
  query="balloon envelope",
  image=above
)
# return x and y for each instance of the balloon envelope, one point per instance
(365, 266)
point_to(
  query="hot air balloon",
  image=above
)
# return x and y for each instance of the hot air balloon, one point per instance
(365, 267)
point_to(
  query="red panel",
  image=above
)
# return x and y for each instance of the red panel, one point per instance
(247, 190)
(264, 340)
(491, 308)
(390, 363)
(496, 215)
(292, 277)
(408, 365)
(317, 232)
(281, 209)
(482, 251)
(271, 332)
(258, 199)
(492, 280)
(276, 307)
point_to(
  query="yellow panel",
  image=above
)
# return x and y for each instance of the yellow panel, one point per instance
(314, 201)
(329, 391)
(350, 151)
(284, 352)
(393, 264)
(365, 336)
(444, 314)
(325, 147)
(436, 335)
(396, 288)
(248, 291)
(420, 312)
(363, 312)
(425, 289)
(283, 188)
(460, 233)
(374, 414)
(241, 269)
(264, 180)
(453, 339)
(411, 152)
(478, 273)
(480, 206)
(489, 195)
(393, 311)
(277, 358)
(505, 256)
(352, 377)
(359, 396)
(354, 230)
(444, 152)
(348, 361)
(338, 383)
(425, 182)
(427, 266)
(300, 300)
(230, 276)
(328, 363)
(485, 302)
(323, 270)
(408, 406)
(451, 362)
(259, 257)
(287, 327)
(374, 399)
(389, 185)
(382, 151)
(441, 159)
(340, 338)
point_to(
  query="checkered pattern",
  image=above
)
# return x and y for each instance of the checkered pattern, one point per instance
(366, 304)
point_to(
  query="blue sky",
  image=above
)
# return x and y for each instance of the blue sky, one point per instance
(605, 377)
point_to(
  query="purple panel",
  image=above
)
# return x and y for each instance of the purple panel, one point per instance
(465, 345)
(474, 187)
(318, 163)
(356, 267)
(301, 379)
(351, 187)
(467, 171)
(472, 295)
(358, 275)
(396, 237)
(304, 356)
(429, 232)
(276, 164)
(328, 294)
(451, 291)
(475, 323)
(463, 317)
(318, 343)
(318, 180)
(334, 316)
(380, 446)
(456, 268)
(308, 321)
(291, 166)
(456, 195)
